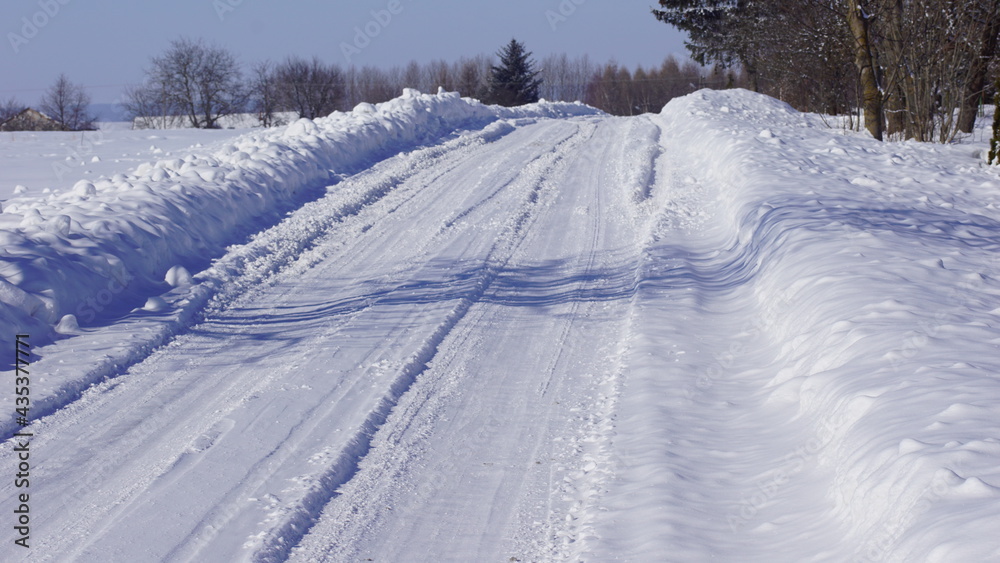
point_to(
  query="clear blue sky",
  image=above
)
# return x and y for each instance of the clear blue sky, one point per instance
(105, 44)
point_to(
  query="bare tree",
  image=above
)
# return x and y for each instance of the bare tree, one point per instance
(933, 59)
(604, 91)
(201, 82)
(310, 88)
(150, 106)
(10, 108)
(413, 76)
(265, 93)
(921, 68)
(558, 78)
(373, 86)
(988, 16)
(565, 79)
(68, 104)
(995, 138)
(439, 75)
(473, 76)
(643, 90)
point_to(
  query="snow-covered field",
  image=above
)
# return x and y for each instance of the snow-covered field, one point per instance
(55, 160)
(465, 333)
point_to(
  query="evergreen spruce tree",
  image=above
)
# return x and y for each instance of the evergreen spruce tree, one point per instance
(514, 82)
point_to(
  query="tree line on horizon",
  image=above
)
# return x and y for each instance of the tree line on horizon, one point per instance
(914, 69)
(202, 83)
(196, 84)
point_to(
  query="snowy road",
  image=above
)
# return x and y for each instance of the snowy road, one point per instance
(577, 339)
(461, 331)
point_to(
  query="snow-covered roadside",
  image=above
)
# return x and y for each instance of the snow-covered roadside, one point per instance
(723, 331)
(858, 350)
(124, 248)
(43, 162)
(104, 247)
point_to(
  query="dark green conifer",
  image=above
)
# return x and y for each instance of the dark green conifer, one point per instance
(514, 81)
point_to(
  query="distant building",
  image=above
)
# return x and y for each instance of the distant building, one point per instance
(31, 120)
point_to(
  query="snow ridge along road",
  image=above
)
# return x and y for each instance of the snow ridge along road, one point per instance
(724, 331)
(397, 278)
(100, 254)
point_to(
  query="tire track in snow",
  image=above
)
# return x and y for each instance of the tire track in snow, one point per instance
(405, 469)
(295, 506)
(259, 260)
(279, 542)
(245, 270)
(252, 267)
(631, 173)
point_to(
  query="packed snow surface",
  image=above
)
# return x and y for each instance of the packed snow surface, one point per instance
(459, 332)
(84, 250)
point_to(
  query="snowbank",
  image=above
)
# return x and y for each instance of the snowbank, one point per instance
(103, 247)
(877, 275)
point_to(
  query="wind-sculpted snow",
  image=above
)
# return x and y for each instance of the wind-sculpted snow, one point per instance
(861, 284)
(103, 247)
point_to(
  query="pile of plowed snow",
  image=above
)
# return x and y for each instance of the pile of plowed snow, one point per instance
(876, 271)
(104, 246)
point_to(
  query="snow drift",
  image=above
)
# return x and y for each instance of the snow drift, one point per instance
(876, 274)
(100, 249)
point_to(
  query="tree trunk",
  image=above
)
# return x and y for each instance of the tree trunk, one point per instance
(977, 74)
(872, 97)
(750, 67)
(896, 112)
(995, 139)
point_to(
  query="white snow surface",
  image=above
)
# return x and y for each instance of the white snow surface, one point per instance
(32, 162)
(724, 332)
(108, 241)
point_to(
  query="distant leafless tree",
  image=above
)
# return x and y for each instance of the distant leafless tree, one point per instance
(372, 85)
(618, 91)
(68, 104)
(612, 90)
(565, 79)
(412, 76)
(468, 76)
(310, 88)
(985, 46)
(265, 93)
(150, 106)
(472, 76)
(10, 108)
(201, 82)
(437, 74)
